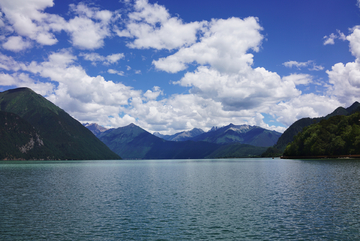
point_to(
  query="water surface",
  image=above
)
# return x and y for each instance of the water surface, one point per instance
(237, 199)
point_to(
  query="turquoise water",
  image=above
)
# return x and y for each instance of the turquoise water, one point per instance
(237, 199)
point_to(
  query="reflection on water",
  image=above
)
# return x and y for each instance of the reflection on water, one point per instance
(262, 199)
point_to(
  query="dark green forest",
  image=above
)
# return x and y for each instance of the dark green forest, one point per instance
(338, 135)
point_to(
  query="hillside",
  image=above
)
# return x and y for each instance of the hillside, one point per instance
(337, 135)
(62, 136)
(297, 127)
(19, 139)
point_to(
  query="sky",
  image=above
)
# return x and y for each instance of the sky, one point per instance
(171, 66)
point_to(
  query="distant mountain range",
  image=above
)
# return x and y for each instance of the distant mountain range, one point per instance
(95, 128)
(243, 134)
(299, 125)
(33, 128)
(181, 136)
(133, 142)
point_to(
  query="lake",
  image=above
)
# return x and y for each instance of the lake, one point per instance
(230, 199)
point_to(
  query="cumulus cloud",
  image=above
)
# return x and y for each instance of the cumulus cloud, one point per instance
(152, 27)
(307, 105)
(224, 45)
(21, 79)
(250, 90)
(154, 93)
(345, 78)
(88, 28)
(16, 44)
(28, 19)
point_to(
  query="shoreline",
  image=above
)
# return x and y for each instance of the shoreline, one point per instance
(321, 157)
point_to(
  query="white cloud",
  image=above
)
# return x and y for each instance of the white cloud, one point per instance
(152, 27)
(307, 105)
(21, 80)
(8, 63)
(311, 64)
(331, 38)
(224, 45)
(153, 94)
(298, 65)
(345, 78)
(28, 19)
(106, 60)
(299, 79)
(7, 80)
(87, 29)
(87, 34)
(113, 71)
(16, 44)
(254, 89)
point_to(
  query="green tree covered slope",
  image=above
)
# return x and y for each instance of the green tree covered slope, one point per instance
(338, 135)
(60, 136)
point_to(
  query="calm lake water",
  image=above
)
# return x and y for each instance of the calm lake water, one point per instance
(237, 199)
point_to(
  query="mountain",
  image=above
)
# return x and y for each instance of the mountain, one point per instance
(181, 136)
(334, 136)
(41, 130)
(243, 134)
(133, 142)
(95, 128)
(297, 127)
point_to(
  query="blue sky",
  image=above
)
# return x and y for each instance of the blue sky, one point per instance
(170, 66)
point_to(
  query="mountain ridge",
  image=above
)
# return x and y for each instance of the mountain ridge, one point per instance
(133, 142)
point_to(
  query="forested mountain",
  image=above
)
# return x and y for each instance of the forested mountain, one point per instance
(337, 135)
(41, 130)
(297, 127)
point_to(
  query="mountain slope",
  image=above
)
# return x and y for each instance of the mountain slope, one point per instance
(337, 135)
(131, 142)
(243, 134)
(297, 127)
(19, 139)
(62, 134)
